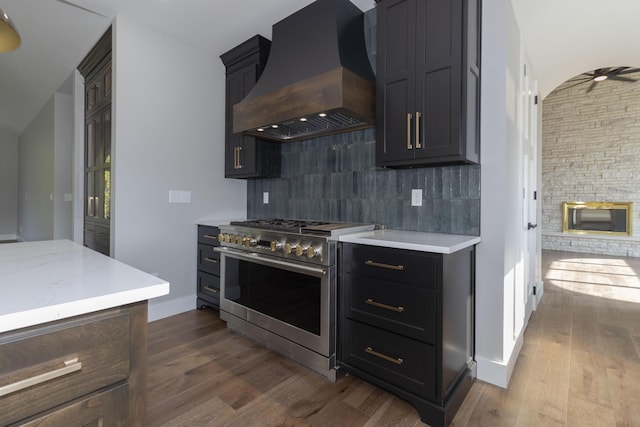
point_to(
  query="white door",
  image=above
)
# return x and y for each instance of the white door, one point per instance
(530, 194)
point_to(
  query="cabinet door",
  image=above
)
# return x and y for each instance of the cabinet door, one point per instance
(240, 149)
(395, 84)
(438, 85)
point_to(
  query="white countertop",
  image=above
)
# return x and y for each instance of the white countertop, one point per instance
(51, 280)
(413, 240)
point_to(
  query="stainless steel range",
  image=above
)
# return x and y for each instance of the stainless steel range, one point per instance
(278, 285)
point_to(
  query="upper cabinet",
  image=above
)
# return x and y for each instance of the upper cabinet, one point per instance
(247, 156)
(428, 82)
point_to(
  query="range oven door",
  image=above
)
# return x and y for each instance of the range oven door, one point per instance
(293, 300)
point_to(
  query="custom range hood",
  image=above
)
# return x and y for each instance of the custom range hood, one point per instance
(317, 80)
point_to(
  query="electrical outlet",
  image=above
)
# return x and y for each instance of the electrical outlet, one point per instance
(416, 197)
(265, 198)
(179, 196)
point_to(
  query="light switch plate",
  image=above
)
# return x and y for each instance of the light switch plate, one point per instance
(416, 197)
(179, 196)
(265, 198)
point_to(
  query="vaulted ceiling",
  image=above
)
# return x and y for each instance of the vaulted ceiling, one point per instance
(563, 38)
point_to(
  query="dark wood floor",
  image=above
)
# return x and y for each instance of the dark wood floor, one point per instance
(579, 366)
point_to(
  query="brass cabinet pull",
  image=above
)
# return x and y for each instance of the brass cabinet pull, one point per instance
(385, 306)
(213, 260)
(210, 289)
(239, 158)
(235, 158)
(70, 366)
(209, 236)
(396, 360)
(409, 117)
(381, 265)
(418, 117)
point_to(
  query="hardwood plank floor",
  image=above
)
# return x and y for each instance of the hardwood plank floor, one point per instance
(579, 366)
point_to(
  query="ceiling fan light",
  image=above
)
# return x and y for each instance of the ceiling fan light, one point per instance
(9, 37)
(600, 78)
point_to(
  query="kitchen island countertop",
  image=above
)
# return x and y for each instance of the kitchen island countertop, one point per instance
(56, 279)
(413, 240)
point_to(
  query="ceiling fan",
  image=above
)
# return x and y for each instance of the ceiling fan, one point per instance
(602, 74)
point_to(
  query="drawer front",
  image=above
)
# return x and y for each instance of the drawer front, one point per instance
(401, 361)
(208, 235)
(208, 259)
(108, 408)
(209, 287)
(397, 265)
(66, 360)
(398, 308)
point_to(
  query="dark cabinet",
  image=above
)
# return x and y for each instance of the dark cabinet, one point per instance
(428, 82)
(97, 71)
(247, 156)
(407, 325)
(208, 274)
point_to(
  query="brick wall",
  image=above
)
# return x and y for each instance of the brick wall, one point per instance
(591, 153)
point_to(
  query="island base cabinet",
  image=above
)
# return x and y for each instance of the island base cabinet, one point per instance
(76, 371)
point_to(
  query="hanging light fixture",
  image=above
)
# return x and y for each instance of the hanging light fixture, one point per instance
(9, 37)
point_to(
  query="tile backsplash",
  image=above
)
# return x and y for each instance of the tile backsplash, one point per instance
(334, 178)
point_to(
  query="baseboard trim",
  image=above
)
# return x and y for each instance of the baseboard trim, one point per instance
(8, 237)
(496, 372)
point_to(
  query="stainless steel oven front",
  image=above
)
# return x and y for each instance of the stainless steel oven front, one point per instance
(287, 305)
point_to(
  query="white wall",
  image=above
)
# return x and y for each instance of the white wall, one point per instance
(35, 170)
(8, 185)
(168, 134)
(45, 173)
(500, 297)
(63, 166)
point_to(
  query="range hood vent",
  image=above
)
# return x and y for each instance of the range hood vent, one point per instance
(317, 80)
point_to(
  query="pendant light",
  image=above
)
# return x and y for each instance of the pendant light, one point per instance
(9, 37)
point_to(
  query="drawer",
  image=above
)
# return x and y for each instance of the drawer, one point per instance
(402, 309)
(208, 259)
(397, 265)
(398, 360)
(209, 287)
(208, 235)
(67, 360)
(108, 408)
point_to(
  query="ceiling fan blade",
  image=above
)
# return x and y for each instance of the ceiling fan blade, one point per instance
(629, 70)
(591, 86)
(622, 79)
(576, 84)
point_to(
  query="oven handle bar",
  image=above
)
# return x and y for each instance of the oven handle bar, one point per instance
(259, 259)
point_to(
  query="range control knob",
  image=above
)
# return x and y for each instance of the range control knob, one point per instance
(288, 248)
(248, 241)
(274, 246)
(300, 250)
(220, 237)
(239, 239)
(226, 238)
(311, 252)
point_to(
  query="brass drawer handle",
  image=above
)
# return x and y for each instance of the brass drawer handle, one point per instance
(381, 265)
(409, 118)
(396, 360)
(213, 260)
(210, 289)
(69, 366)
(385, 306)
(418, 117)
(209, 236)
